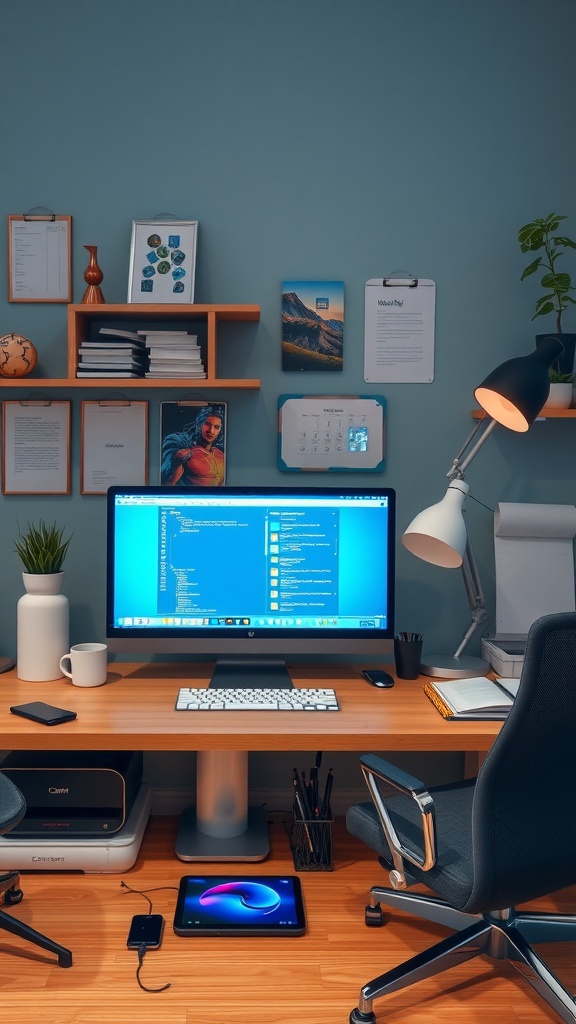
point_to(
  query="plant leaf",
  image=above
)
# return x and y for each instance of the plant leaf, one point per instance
(557, 282)
(547, 308)
(532, 268)
(543, 299)
(566, 242)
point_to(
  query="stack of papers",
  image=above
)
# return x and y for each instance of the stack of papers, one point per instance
(476, 699)
(173, 354)
(116, 354)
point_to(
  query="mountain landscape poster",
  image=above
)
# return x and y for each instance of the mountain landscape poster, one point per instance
(312, 325)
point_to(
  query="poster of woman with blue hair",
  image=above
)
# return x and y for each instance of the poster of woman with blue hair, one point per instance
(193, 444)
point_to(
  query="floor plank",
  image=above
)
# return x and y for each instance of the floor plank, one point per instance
(313, 979)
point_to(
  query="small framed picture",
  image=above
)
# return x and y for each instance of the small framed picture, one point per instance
(193, 444)
(162, 261)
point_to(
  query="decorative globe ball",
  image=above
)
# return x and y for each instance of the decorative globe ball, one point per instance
(18, 357)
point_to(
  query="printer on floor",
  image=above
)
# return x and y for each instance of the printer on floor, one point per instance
(73, 793)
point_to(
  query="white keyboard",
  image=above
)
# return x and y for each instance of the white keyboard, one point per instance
(256, 700)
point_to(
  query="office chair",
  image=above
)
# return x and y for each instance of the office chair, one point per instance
(12, 810)
(487, 844)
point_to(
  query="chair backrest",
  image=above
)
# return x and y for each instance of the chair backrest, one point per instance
(12, 804)
(523, 827)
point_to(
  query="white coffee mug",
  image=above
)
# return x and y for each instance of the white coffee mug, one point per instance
(86, 665)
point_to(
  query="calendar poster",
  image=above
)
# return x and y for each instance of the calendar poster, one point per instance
(341, 433)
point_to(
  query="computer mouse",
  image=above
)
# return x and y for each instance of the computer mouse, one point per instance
(378, 678)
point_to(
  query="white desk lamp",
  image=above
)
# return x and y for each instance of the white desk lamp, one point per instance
(513, 395)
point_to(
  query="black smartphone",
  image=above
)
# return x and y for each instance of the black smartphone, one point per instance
(46, 714)
(145, 930)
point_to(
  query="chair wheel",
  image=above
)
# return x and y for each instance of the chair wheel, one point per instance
(357, 1017)
(373, 916)
(13, 896)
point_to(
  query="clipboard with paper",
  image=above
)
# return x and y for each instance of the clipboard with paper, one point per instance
(399, 321)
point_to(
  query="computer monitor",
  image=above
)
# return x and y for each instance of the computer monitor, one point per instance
(251, 575)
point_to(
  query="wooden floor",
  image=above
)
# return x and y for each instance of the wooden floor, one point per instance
(314, 979)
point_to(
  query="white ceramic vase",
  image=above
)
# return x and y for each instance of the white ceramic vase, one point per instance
(43, 631)
(560, 396)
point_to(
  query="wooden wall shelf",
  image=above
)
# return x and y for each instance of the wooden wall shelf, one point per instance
(84, 321)
(550, 414)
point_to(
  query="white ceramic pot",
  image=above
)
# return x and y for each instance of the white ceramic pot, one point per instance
(43, 634)
(560, 396)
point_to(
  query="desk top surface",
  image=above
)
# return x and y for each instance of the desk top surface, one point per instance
(134, 710)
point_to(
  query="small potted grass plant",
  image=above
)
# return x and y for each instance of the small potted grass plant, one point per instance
(43, 611)
(42, 549)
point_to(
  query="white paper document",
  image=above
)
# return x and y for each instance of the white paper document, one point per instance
(399, 330)
(36, 448)
(114, 445)
(39, 259)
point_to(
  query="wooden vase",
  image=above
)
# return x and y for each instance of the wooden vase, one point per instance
(93, 276)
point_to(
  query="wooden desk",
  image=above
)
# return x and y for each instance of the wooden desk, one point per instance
(134, 710)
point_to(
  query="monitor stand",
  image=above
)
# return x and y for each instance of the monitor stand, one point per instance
(251, 673)
(222, 827)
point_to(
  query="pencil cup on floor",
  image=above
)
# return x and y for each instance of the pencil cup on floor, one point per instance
(311, 844)
(407, 656)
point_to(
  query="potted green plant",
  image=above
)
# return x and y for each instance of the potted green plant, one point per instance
(561, 384)
(43, 611)
(557, 284)
(42, 548)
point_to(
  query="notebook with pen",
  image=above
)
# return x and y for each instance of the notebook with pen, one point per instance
(475, 699)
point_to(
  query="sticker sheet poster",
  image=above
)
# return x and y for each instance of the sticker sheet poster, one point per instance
(337, 433)
(312, 325)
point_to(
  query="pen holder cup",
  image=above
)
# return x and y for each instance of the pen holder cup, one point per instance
(407, 655)
(311, 844)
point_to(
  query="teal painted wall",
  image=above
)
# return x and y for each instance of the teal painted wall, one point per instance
(312, 139)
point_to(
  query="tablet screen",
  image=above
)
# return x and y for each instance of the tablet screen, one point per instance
(239, 905)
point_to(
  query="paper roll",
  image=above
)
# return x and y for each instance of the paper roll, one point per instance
(534, 554)
(519, 519)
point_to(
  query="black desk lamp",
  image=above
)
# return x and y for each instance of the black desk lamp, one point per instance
(513, 394)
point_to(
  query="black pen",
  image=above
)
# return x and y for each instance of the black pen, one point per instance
(298, 801)
(325, 811)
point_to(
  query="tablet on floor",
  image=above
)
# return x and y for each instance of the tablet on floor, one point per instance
(239, 905)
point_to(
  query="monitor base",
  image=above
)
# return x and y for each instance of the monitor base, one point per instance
(445, 666)
(251, 845)
(251, 673)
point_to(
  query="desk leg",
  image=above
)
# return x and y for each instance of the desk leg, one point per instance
(473, 761)
(222, 827)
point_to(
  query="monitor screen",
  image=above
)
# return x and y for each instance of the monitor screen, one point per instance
(250, 573)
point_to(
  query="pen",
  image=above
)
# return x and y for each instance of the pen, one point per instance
(298, 802)
(326, 811)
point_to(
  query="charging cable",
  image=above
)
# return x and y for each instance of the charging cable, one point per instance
(141, 954)
(143, 947)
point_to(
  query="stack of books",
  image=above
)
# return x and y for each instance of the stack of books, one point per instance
(173, 354)
(116, 354)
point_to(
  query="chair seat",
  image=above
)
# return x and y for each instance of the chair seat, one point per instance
(452, 876)
(12, 805)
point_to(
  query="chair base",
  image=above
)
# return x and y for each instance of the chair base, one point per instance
(503, 935)
(10, 891)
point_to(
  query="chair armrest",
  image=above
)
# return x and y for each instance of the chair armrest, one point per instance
(377, 771)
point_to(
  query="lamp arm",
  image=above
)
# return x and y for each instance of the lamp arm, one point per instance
(475, 594)
(458, 467)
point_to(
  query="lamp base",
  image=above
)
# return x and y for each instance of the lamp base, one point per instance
(447, 667)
